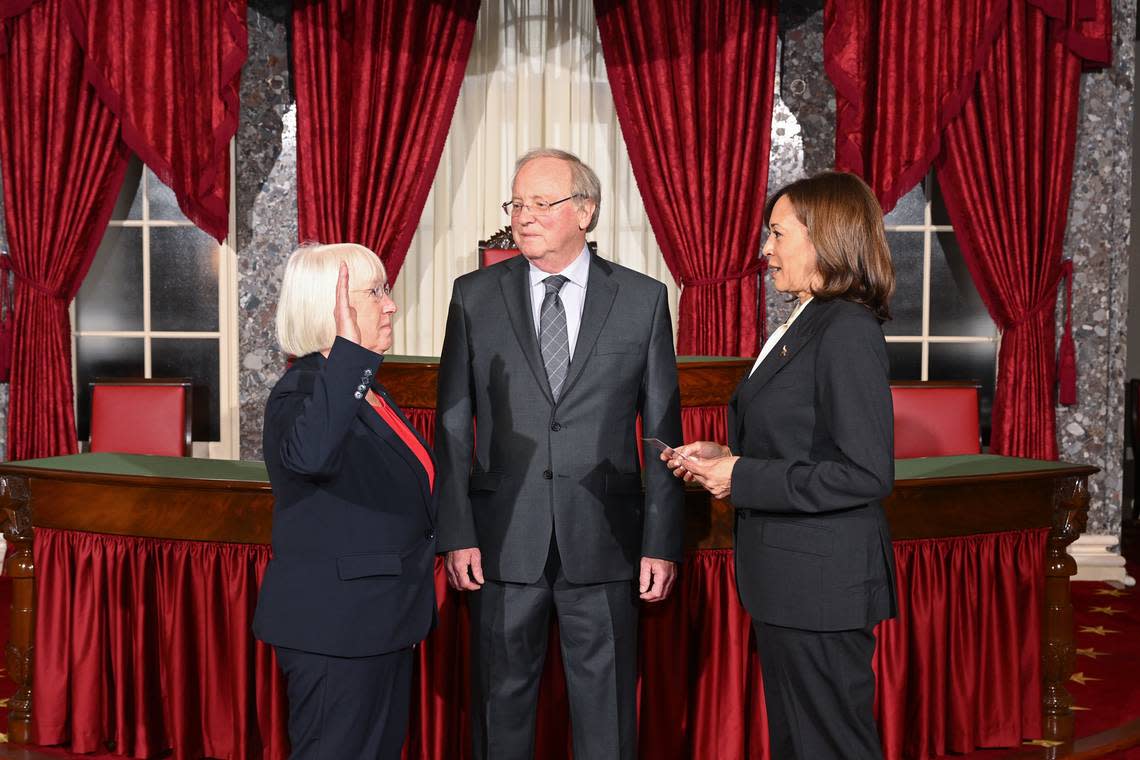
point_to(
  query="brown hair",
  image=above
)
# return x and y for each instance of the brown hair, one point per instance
(845, 224)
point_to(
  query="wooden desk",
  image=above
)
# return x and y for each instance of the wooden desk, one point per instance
(205, 500)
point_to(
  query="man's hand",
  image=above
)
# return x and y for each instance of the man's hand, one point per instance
(465, 569)
(657, 576)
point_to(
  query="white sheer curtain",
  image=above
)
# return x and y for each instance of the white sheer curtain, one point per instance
(536, 78)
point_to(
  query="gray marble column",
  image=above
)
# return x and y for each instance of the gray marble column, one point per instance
(1097, 238)
(266, 208)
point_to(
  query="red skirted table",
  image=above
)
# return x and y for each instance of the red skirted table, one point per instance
(145, 573)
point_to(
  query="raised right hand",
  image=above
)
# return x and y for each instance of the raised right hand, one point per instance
(464, 569)
(343, 313)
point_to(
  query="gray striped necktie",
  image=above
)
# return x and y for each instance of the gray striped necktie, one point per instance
(552, 335)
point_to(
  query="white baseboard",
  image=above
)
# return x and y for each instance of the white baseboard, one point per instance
(1097, 562)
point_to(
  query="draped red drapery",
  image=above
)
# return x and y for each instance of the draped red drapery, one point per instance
(693, 92)
(170, 71)
(376, 88)
(62, 165)
(80, 83)
(146, 643)
(991, 91)
(1006, 173)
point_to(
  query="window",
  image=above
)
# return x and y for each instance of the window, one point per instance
(941, 329)
(158, 302)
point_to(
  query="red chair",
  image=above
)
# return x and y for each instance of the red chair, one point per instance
(141, 416)
(501, 246)
(936, 419)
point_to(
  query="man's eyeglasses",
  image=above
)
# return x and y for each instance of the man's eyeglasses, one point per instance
(376, 292)
(537, 208)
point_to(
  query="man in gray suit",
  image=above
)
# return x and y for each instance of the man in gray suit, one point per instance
(555, 353)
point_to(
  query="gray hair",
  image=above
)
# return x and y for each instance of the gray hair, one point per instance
(305, 321)
(583, 181)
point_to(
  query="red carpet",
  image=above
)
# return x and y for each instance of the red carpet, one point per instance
(1106, 686)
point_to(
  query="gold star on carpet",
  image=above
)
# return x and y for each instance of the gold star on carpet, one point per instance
(3, 738)
(1044, 743)
(1081, 678)
(1110, 592)
(1106, 610)
(1099, 630)
(1091, 652)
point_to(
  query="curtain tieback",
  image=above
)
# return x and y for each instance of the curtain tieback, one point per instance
(1067, 350)
(689, 282)
(28, 282)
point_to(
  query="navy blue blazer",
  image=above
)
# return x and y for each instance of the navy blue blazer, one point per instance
(353, 518)
(815, 430)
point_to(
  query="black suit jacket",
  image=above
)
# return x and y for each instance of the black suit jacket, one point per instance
(814, 427)
(572, 467)
(353, 518)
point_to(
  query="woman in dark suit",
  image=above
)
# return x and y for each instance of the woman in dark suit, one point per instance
(349, 591)
(810, 456)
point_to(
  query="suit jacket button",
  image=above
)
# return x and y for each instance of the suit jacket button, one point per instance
(555, 427)
(368, 373)
(362, 387)
(358, 395)
(547, 474)
(429, 534)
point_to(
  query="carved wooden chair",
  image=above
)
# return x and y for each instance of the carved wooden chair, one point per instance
(501, 246)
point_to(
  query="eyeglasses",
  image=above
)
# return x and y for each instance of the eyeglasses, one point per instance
(375, 292)
(537, 208)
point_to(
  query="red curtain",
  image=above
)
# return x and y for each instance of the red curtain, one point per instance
(62, 165)
(991, 90)
(902, 70)
(693, 92)
(170, 71)
(1006, 173)
(147, 643)
(376, 88)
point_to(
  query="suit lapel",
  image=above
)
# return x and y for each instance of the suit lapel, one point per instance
(390, 437)
(600, 294)
(798, 335)
(515, 285)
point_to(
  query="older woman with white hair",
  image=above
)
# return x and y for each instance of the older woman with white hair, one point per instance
(349, 591)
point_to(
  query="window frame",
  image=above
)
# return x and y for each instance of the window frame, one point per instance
(226, 334)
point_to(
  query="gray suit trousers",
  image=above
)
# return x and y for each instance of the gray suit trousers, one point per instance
(510, 625)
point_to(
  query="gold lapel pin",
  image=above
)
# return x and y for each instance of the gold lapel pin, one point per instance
(783, 351)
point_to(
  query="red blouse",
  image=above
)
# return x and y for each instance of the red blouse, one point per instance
(406, 435)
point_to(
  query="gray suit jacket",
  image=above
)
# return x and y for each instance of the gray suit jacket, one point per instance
(815, 431)
(571, 467)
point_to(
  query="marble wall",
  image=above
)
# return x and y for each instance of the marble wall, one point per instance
(1098, 240)
(266, 208)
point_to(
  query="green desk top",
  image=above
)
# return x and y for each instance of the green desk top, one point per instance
(969, 466)
(220, 469)
(146, 466)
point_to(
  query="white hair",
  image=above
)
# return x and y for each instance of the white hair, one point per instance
(305, 321)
